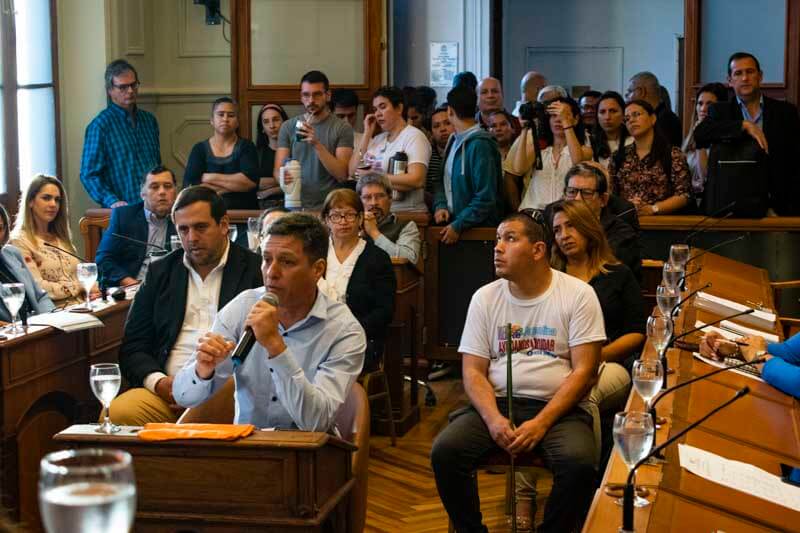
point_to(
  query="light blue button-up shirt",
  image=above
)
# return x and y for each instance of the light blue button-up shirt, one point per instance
(758, 120)
(302, 387)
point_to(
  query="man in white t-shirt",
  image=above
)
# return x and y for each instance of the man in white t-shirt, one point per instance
(557, 332)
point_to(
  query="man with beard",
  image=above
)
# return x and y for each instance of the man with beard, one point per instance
(122, 261)
(395, 237)
(177, 303)
(319, 140)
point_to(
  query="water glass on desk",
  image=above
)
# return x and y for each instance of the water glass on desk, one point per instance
(233, 232)
(105, 379)
(253, 232)
(175, 242)
(673, 272)
(87, 490)
(648, 374)
(13, 295)
(659, 331)
(87, 276)
(667, 298)
(633, 438)
(679, 254)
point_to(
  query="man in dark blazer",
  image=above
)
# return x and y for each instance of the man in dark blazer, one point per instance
(177, 303)
(122, 261)
(763, 122)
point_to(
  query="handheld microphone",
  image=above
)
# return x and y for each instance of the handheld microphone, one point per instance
(697, 229)
(718, 245)
(76, 256)
(653, 413)
(688, 296)
(143, 243)
(248, 338)
(627, 499)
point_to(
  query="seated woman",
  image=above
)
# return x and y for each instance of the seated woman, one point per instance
(41, 232)
(398, 136)
(651, 174)
(697, 158)
(225, 162)
(13, 270)
(609, 131)
(564, 135)
(358, 273)
(268, 125)
(782, 369)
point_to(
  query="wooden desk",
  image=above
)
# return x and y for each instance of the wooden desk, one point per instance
(271, 481)
(44, 388)
(762, 428)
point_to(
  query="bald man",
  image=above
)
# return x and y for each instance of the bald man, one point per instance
(645, 86)
(530, 85)
(490, 99)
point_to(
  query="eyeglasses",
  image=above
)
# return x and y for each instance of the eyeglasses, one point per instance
(573, 192)
(125, 86)
(339, 217)
(633, 115)
(378, 196)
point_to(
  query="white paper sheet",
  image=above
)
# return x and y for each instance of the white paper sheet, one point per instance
(739, 476)
(719, 364)
(723, 306)
(66, 321)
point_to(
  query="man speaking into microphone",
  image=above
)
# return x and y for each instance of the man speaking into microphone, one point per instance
(308, 350)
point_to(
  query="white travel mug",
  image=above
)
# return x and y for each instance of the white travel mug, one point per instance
(292, 191)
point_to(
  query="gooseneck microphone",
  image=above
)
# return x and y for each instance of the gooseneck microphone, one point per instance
(719, 245)
(623, 213)
(143, 243)
(627, 499)
(697, 229)
(689, 296)
(248, 338)
(76, 256)
(653, 413)
(704, 326)
(690, 274)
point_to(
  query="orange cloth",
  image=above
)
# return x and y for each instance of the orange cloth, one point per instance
(165, 431)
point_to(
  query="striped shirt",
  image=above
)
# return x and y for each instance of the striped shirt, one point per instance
(434, 171)
(117, 152)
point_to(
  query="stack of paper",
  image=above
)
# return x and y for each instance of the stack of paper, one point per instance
(66, 321)
(721, 306)
(733, 332)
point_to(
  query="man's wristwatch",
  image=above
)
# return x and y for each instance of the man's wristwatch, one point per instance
(655, 209)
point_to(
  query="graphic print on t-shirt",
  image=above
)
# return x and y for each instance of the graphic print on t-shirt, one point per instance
(528, 340)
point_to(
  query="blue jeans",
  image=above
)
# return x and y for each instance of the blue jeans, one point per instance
(568, 450)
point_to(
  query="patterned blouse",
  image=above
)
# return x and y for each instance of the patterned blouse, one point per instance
(54, 271)
(646, 180)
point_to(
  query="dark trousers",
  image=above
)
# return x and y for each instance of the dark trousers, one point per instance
(567, 449)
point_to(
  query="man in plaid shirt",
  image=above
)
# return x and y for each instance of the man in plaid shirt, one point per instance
(121, 143)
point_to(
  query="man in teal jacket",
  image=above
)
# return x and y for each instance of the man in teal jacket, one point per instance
(469, 194)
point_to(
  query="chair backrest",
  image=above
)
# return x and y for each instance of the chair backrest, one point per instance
(353, 422)
(219, 409)
(92, 225)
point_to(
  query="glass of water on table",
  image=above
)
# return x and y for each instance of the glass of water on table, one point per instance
(87, 490)
(633, 438)
(105, 379)
(13, 295)
(87, 276)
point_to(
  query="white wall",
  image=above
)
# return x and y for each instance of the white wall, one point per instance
(645, 29)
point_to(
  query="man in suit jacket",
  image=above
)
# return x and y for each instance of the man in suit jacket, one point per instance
(121, 261)
(773, 124)
(177, 304)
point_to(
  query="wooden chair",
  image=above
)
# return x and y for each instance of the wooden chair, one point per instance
(352, 420)
(379, 374)
(92, 225)
(790, 325)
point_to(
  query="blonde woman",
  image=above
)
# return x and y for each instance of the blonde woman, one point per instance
(41, 232)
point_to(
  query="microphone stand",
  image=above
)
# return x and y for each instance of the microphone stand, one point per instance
(653, 412)
(627, 500)
(703, 229)
(76, 256)
(718, 245)
(143, 243)
(690, 295)
(512, 479)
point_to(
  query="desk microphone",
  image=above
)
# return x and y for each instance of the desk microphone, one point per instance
(76, 256)
(248, 338)
(653, 413)
(718, 245)
(692, 273)
(688, 296)
(697, 229)
(627, 499)
(143, 243)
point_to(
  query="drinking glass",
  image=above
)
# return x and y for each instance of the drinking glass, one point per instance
(233, 232)
(667, 298)
(648, 374)
(87, 490)
(673, 272)
(633, 438)
(87, 276)
(105, 379)
(253, 231)
(659, 330)
(175, 242)
(13, 295)
(679, 254)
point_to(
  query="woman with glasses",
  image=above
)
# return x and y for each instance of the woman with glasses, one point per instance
(374, 151)
(652, 174)
(697, 158)
(358, 273)
(225, 162)
(609, 132)
(41, 232)
(563, 132)
(268, 126)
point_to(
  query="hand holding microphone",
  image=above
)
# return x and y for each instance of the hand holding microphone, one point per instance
(262, 325)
